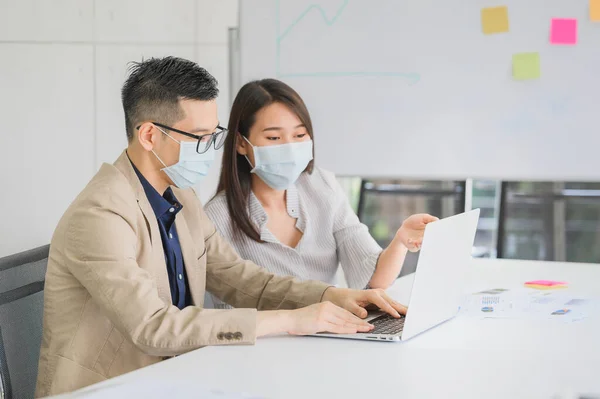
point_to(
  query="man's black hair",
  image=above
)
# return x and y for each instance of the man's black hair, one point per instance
(154, 87)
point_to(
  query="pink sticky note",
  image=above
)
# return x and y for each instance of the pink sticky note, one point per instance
(547, 283)
(563, 31)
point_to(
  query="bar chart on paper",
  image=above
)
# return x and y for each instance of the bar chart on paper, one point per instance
(466, 85)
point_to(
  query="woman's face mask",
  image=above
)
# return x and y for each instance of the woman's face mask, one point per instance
(279, 166)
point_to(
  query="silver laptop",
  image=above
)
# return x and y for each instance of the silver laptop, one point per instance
(438, 284)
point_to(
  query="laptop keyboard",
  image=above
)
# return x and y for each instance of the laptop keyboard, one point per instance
(386, 324)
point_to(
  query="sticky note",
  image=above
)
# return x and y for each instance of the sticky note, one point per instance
(545, 284)
(545, 287)
(526, 66)
(494, 20)
(563, 31)
(595, 10)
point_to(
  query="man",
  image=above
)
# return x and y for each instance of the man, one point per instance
(132, 256)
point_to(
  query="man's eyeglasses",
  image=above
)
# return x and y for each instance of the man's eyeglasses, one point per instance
(204, 141)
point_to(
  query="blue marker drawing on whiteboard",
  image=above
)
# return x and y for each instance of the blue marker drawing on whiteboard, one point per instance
(412, 77)
(328, 22)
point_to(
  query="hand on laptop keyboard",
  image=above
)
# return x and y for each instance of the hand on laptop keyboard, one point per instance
(386, 324)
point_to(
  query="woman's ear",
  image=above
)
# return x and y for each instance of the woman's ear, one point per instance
(241, 144)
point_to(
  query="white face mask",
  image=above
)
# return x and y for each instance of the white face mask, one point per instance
(280, 165)
(191, 167)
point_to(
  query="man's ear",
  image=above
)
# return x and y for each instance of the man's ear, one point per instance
(145, 135)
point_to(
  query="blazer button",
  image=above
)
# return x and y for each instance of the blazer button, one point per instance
(229, 336)
(238, 335)
(220, 336)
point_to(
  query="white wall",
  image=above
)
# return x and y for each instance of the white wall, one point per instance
(62, 64)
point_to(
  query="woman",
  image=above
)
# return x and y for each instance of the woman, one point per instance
(282, 212)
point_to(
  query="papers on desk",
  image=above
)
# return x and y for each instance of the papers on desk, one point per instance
(525, 304)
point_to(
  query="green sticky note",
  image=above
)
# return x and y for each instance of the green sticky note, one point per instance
(526, 66)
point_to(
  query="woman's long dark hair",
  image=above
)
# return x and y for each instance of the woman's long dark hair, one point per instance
(235, 178)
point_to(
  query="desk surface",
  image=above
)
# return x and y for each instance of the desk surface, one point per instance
(462, 358)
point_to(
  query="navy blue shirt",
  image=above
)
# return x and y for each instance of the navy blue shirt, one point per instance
(165, 208)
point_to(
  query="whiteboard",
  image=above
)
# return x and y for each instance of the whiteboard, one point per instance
(415, 89)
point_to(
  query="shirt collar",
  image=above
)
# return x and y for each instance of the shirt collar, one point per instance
(160, 204)
(292, 202)
(259, 215)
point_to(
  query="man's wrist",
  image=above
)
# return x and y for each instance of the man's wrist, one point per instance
(273, 322)
(328, 294)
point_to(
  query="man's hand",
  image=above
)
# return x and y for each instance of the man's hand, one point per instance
(326, 317)
(320, 317)
(357, 301)
(337, 313)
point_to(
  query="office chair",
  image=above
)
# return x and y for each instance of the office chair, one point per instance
(21, 309)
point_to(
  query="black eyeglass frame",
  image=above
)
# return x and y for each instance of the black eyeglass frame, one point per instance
(213, 136)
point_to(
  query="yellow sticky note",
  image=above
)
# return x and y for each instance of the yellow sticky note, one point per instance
(494, 20)
(545, 287)
(526, 66)
(595, 10)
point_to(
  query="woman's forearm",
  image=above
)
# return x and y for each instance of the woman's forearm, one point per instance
(389, 265)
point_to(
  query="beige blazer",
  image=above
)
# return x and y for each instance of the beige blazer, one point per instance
(107, 301)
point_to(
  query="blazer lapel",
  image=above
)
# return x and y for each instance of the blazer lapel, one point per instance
(196, 276)
(158, 262)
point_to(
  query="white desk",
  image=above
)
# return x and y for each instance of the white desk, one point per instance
(463, 358)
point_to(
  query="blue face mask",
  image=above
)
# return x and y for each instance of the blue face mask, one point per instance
(191, 167)
(280, 165)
